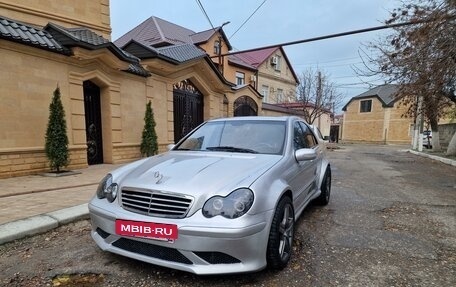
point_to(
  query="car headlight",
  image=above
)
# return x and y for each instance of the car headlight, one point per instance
(107, 189)
(232, 206)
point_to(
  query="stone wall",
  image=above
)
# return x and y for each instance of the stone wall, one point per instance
(93, 14)
(33, 160)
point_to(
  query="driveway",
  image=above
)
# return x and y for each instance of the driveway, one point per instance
(391, 222)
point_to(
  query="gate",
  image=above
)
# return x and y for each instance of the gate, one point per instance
(245, 106)
(334, 134)
(92, 109)
(188, 108)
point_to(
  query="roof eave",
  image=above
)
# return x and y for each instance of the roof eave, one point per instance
(253, 69)
(71, 40)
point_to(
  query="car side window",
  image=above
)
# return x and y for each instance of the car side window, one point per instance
(309, 137)
(298, 137)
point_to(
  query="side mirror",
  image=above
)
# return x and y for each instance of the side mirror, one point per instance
(170, 146)
(305, 154)
(326, 138)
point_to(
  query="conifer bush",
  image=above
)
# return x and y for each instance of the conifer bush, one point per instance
(149, 145)
(56, 145)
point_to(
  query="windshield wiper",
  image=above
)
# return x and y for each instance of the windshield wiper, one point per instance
(231, 149)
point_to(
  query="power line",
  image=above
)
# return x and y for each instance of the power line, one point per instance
(344, 77)
(329, 66)
(353, 32)
(346, 85)
(204, 12)
(248, 19)
(329, 61)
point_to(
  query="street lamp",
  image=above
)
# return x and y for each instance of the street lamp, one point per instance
(220, 47)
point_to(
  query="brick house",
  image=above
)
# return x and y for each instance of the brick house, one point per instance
(376, 116)
(273, 75)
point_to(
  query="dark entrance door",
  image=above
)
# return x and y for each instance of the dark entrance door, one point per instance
(92, 110)
(245, 106)
(188, 108)
(334, 134)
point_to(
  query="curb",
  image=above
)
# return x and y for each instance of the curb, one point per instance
(41, 223)
(441, 159)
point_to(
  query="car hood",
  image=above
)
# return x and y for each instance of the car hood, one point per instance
(196, 173)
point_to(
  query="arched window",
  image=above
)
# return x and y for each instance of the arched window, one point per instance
(245, 106)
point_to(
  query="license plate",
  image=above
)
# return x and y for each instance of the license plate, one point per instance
(159, 231)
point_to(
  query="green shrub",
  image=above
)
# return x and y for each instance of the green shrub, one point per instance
(56, 145)
(149, 145)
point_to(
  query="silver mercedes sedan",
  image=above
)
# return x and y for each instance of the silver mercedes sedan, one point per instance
(224, 199)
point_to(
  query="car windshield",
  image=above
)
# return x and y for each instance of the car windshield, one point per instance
(245, 136)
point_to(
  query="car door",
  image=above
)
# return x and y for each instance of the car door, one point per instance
(312, 142)
(303, 178)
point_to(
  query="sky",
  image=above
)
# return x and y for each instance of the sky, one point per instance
(276, 22)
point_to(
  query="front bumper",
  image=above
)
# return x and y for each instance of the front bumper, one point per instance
(204, 246)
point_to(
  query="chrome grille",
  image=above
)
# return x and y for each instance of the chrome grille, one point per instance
(155, 203)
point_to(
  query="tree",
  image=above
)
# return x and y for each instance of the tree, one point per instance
(421, 58)
(149, 145)
(317, 95)
(56, 145)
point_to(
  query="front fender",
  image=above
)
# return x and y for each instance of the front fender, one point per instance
(267, 195)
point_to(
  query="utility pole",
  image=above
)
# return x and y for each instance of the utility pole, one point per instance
(319, 89)
(417, 143)
(319, 96)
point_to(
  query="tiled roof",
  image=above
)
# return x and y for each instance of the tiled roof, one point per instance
(236, 60)
(203, 36)
(182, 53)
(76, 36)
(385, 93)
(85, 38)
(175, 54)
(18, 32)
(58, 39)
(257, 57)
(157, 32)
(87, 35)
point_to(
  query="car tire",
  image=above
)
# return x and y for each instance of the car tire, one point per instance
(323, 199)
(280, 244)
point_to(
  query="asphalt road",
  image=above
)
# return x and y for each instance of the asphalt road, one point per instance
(391, 222)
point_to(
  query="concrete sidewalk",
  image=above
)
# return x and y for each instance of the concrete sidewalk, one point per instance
(36, 203)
